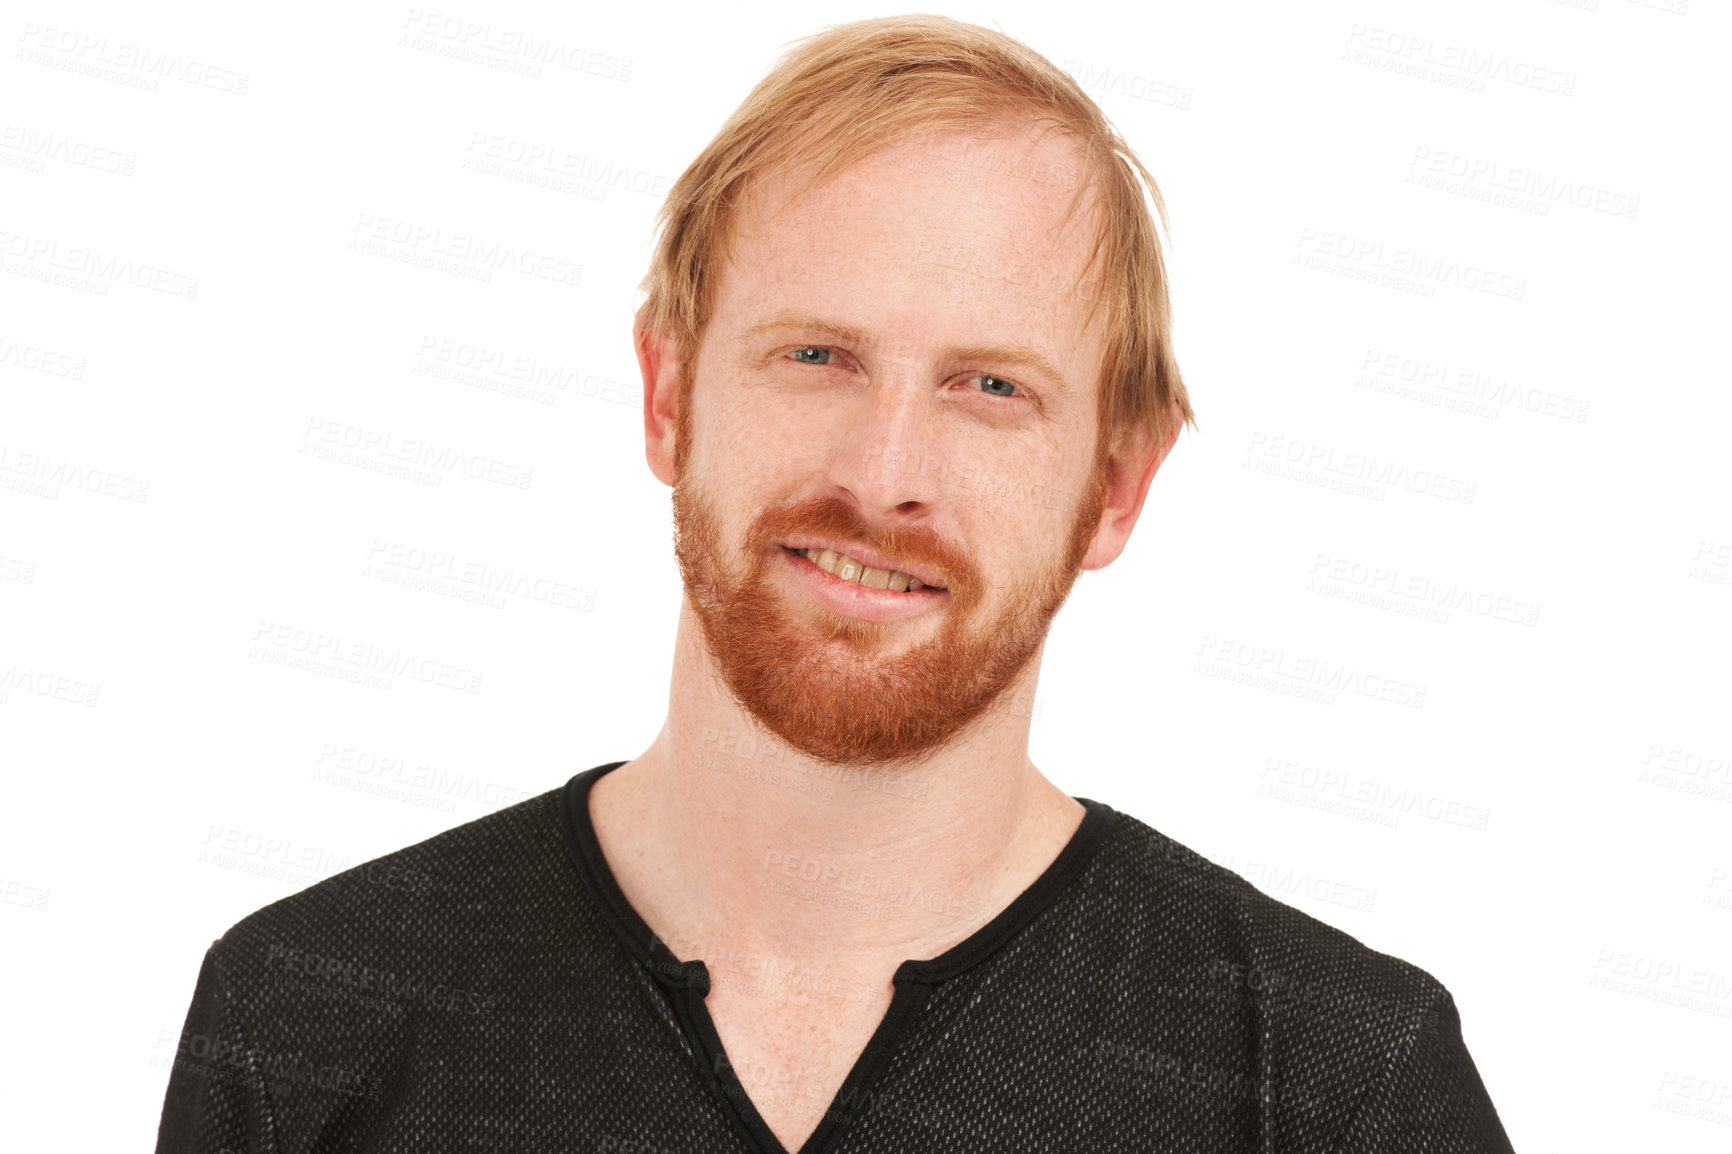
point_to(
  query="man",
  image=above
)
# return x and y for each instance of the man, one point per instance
(907, 367)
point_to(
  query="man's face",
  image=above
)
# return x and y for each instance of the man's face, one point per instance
(896, 370)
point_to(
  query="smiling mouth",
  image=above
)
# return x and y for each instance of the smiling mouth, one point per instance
(846, 568)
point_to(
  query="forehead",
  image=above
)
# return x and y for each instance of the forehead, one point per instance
(941, 239)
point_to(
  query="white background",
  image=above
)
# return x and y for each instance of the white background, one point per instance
(1545, 829)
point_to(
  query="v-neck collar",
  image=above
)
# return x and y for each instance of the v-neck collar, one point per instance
(688, 982)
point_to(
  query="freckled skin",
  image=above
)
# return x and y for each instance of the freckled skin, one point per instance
(854, 251)
(887, 433)
(895, 436)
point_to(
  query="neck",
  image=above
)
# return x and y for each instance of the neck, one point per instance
(726, 839)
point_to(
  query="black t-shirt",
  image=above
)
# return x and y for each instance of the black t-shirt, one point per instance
(490, 989)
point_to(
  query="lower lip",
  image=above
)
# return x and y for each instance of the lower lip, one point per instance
(855, 600)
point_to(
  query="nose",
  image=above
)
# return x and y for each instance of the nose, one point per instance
(889, 456)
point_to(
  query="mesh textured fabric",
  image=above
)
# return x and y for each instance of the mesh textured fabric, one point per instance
(488, 990)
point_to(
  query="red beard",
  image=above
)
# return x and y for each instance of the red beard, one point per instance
(821, 681)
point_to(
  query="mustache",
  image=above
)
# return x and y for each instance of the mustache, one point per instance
(831, 517)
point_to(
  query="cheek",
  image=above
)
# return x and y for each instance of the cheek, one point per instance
(756, 448)
(1019, 486)
(732, 439)
(1027, 516)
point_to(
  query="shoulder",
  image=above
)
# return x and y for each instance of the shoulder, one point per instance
(1236, 927)
(1186, 940)
(424, 908)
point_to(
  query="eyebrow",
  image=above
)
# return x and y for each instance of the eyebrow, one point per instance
(1019, 355)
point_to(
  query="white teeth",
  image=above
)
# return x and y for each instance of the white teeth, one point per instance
(848, 569)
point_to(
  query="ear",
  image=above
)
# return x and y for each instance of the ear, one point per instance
(1130, 469)
(658, 361)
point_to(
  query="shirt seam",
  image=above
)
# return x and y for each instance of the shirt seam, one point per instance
(1400, 1054)
(231, 1013)
(1058, 879)
(914, 979)
(1092, 833)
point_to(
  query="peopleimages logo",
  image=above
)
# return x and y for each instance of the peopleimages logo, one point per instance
(1365, 258)
(93, 55)
(1383, 803)
(43, 683)
(34, 149)
(1457, 65)
(469, 255)
(384, 445)
(36, 257)
(1302, 675)
(1355, 473)
(1129, 82)
(1417, 594)
(1485, 176)
(1461, 389)
(37, 359)
(274, 643)
(387, 983)
(509, 49)
(45, 474)
(228, 1060)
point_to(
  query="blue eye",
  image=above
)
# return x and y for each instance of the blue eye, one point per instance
(821, 355)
